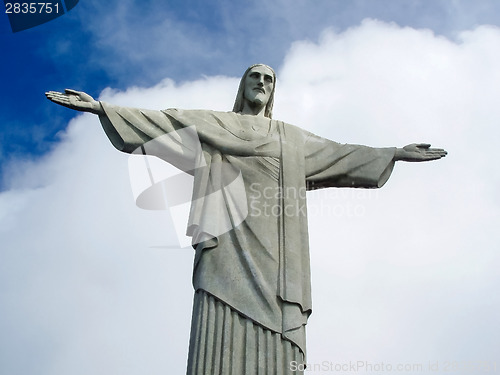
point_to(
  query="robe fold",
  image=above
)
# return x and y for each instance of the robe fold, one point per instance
(248, 217)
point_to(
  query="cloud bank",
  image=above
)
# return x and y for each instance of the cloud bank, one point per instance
(405, 274)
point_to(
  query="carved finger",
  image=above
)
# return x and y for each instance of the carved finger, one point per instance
(439, 150)
(52, 94)
(62, 98)
(423, 145)
(71, 91)
(440, 153)
(57, 97)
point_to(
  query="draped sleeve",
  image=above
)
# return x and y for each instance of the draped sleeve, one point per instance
(130, 128)
(331, 164)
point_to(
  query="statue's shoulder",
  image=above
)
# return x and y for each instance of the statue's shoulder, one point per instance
(296, 132)
(187, 111)
(197, 113)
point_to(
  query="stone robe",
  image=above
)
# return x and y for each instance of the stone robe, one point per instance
(260, 266)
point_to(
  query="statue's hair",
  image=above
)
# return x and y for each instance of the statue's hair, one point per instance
(238, 103)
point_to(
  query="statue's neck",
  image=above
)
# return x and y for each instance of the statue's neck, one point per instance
(255, 109)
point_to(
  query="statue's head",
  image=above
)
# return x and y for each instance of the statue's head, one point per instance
(246, 92)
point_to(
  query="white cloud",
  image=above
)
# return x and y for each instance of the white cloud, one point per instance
(404, 274)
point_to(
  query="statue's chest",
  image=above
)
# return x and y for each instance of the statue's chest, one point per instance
(253, 127)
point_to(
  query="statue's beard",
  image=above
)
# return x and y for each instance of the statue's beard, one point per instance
(258, 100)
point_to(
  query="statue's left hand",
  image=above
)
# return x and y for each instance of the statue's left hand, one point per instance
(419, 152)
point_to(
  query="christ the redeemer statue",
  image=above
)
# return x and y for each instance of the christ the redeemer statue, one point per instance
(251, 279)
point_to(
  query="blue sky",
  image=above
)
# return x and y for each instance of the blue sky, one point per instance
(90, 284)
(122, 43)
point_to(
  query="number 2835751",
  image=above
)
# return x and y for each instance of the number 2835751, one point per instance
(32, 8)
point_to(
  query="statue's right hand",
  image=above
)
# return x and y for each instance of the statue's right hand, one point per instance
(77, 100)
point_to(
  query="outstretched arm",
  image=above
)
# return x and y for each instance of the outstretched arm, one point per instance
(77, 100)
(419, 152)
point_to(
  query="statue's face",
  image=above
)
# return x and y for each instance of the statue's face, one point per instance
(259, 84)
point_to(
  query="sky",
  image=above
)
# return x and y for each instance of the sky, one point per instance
(406, 275)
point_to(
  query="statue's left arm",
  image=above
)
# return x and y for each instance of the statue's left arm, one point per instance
(331, 164)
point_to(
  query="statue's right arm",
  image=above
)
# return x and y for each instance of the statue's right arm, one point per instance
(77, 100)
